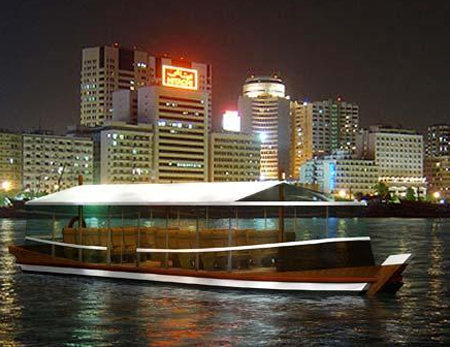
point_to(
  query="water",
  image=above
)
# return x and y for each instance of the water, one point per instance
(47, 310)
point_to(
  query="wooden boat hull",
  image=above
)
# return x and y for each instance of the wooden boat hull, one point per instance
(362, 279)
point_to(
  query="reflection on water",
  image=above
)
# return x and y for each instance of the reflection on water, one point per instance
(56, 310)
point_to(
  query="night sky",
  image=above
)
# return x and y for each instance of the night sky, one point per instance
(393, 59)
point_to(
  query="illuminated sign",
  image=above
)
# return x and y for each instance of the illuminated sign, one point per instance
(179, 77)
(231, 121)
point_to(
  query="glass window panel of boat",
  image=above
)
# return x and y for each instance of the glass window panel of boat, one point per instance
(48, 221)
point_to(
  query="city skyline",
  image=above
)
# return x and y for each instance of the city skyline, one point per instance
(323, 51)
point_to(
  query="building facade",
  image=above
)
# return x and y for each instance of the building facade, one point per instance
(322, 128)
(398, 154)
(161, 68)
(340, 174)
(106, 69)
(438, 140)
(126, 153)
(234, 156)
(437, 173)
(265, 110)
(180, 124)
(10, 161)
(124, 106)
(53, 162)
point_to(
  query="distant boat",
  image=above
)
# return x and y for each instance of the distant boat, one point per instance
(225, 235)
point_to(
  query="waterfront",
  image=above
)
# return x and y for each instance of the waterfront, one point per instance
(55, 310)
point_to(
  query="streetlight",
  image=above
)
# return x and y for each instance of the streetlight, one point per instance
(342, 194)
(6, 185)
(436, 195)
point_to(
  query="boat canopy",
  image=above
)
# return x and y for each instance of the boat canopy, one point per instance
(266, 193)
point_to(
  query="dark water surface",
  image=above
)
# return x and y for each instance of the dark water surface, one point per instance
(49, 310)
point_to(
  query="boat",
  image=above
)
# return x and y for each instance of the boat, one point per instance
(238, 235)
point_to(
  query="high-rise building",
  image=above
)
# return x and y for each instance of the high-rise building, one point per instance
(166, 71)
(234, 156)
(53, 162)
(106, 69)
(322, 128)
(437, 173)
(180, 123)
(10, 161)
(341, 174)
(438, 140)
(265, 110)
(398, 154)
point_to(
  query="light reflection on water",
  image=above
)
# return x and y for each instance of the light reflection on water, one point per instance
(56, 310)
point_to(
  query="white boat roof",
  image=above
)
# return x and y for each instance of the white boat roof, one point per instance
(173, 194)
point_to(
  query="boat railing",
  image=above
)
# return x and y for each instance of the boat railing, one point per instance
(63, 244)
(250, 247)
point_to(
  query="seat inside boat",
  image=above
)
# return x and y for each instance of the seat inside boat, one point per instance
(124, 241)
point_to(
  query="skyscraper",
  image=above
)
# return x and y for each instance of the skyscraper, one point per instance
(106, 69)
(158, 66)
(180, 122)
(322, 128)
(438, 140)
(264, 110)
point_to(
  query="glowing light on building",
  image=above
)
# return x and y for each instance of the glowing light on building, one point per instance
(263, 137)
(179, 77)
(436, 195)
(231, 121)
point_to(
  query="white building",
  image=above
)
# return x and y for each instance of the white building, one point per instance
(53, 162)
(10, 161)
(398, 154)
(126, 153)
(234, 156)
(180, 124)
(265, 110)
(340, 174)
